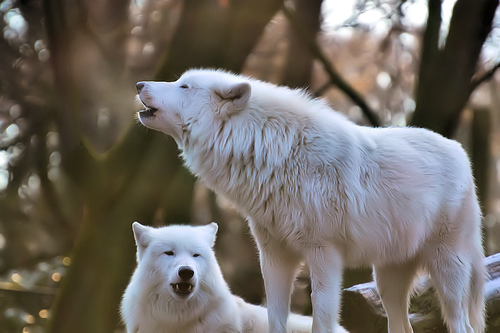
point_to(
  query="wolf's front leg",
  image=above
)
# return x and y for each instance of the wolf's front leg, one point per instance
(279, 267)
(325, 265)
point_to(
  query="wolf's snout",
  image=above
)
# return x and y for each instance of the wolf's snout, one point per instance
(139, 86)
(185, 273)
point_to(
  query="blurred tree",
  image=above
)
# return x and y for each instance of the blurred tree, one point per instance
(299, 60)
(442, 90)
(132, 180)
(448, 65)
(217, 34)
(128, 182)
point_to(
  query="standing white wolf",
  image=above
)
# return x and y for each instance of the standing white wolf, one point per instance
(178, 288)
(318, 187)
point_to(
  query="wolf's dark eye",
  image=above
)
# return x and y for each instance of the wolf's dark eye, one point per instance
(196, 255)
(169, 253)
(184, 86)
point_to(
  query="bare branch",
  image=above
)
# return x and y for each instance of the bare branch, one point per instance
(485, 77)
(36, 290)
(335, 77)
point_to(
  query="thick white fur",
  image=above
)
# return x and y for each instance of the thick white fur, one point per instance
(151, 306)
(318, 187)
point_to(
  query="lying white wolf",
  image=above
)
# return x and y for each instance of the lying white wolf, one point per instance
(178, 288)
(318, 187)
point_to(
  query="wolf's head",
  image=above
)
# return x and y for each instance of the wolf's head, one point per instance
(198, 98)
(177, 260)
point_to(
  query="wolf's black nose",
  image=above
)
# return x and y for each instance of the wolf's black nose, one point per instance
(139, 86)
(185, 273)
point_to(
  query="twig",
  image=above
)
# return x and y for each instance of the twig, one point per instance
(37, 290)
(487, 76)
(321, 90)
(335, 77)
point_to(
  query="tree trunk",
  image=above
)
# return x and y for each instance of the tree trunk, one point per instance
(299, 61)
(480, 159)
(141, 174)
(213, 35)
(445, 78)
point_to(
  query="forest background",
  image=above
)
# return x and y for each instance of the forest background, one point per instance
(76, 169)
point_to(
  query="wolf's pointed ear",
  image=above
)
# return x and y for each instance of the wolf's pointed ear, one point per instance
(233, 98)
(211, 232)
(142, 238)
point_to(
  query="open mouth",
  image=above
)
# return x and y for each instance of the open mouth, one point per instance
(148, 112)
(182, 287)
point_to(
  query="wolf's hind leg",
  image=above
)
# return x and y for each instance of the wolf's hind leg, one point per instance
(476, 293)
(394, 283)
(450, 273)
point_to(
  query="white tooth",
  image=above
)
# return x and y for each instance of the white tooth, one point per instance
(189, 288)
